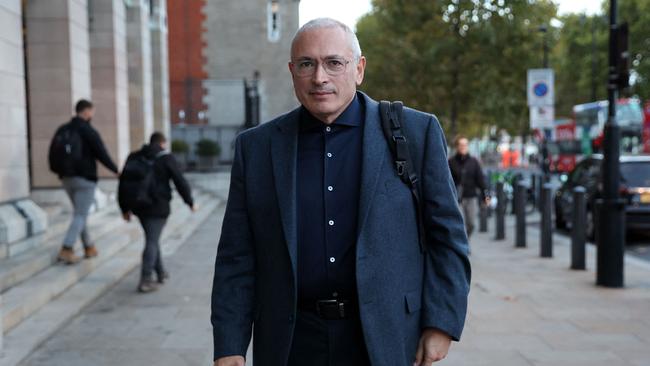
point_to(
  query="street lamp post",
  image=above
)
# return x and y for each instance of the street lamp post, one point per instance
(610, 236)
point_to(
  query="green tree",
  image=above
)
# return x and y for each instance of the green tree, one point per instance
(464, 60)
(581, 58)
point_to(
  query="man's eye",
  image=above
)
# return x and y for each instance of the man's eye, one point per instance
(335, 63)
(305, 64)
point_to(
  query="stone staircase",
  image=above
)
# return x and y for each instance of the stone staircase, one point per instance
(39, 295)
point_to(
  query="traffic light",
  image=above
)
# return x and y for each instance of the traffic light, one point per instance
(624, 60)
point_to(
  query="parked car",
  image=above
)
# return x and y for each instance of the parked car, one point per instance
(635, 189)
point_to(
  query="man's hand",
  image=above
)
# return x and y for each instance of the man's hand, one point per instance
(433, 347)
(194, 207)
(126, 216)
(230, 361)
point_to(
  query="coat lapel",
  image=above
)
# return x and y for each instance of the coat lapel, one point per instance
(374, 152)
(284, 147)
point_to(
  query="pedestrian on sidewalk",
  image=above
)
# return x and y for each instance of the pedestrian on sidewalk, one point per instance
(320, 248)
(470, 182)
(73, 152)
(144, 191)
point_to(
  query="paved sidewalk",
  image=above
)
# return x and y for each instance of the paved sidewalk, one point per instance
(170, 327)
(524, 310)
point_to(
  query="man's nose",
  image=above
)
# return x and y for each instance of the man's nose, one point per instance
(320, 75)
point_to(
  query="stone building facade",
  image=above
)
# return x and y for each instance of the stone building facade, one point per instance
(55, 52)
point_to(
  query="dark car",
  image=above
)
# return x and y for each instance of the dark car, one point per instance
(635, 189)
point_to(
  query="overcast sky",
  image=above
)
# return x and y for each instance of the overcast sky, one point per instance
(348, 11)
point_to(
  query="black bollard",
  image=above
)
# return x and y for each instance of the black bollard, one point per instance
(500, 214)
(517, 178)
(540, 187)
(520, 206)
(533, 188)
(546, 243)
(483, 218)
(578, 234)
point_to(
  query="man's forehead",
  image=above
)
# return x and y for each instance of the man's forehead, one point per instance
(321, 43)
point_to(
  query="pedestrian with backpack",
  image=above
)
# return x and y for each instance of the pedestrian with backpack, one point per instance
(144, 191)
(73, 152)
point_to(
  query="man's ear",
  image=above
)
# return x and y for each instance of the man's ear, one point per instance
(361, 69)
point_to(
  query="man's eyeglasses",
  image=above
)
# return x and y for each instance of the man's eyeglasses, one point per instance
(307, 67)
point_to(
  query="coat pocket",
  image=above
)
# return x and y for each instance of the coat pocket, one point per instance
(413, 301)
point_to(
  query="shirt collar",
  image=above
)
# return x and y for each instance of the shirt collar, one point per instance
(351, 116)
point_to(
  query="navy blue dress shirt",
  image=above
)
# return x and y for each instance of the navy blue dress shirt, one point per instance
(328, 179)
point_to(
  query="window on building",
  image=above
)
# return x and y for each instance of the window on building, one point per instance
(274, 20)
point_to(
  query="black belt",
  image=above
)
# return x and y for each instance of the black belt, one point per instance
(332, 309)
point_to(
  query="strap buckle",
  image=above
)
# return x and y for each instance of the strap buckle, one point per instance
(401, 167)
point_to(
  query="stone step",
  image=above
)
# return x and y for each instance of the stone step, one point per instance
(40, 252)
(57, 228)
(25, 298)
(20, 341)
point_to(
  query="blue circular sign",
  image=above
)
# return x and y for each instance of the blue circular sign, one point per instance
(540, 89)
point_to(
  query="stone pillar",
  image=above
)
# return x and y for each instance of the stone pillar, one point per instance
(160, 67)
(140, 75)
(110, 84)
(58, 67)
(14, 168)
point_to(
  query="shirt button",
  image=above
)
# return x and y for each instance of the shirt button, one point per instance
(331, 222)
(332, 259)
(328, 128)
(330, 188)
(329, 155)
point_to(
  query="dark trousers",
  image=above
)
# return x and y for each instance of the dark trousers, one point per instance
(320, 342)
(151, 257)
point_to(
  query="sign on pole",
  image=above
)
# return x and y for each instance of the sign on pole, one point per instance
(542, 117)
(541, 87)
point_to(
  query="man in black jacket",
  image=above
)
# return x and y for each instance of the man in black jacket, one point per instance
(470, 182)
(153, 217)
(80, 184)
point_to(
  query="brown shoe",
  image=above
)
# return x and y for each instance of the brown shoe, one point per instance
(67, 256)
(147, 286)
(90, 252)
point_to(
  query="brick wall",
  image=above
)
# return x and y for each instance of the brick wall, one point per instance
(186, 60)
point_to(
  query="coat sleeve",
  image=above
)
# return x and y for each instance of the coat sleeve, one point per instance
(480, 180)
(234, 273)
(181, 184)
(99, 149)
(446, 266)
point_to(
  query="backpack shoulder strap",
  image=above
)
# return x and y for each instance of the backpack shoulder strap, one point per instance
(161, 154)
(391, 123)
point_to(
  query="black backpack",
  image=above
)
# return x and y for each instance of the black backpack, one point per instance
(65, 150)
(137, 188)
(391, 124)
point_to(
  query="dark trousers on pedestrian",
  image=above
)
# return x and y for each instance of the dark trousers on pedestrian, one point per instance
(320, 342)
(151, 257)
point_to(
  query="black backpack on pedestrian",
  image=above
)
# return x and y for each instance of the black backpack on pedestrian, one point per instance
(391, 124)
(137, 188)
(65, 150)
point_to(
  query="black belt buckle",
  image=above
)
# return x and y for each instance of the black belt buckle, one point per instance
(330, 309)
